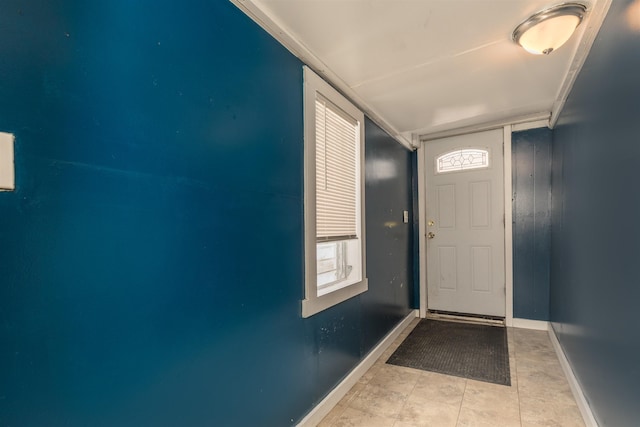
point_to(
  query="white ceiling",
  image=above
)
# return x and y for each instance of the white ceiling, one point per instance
(423, 67)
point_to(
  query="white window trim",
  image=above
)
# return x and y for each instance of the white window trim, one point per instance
(312, 303)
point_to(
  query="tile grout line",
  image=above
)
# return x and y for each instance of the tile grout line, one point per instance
(407, 399)
(466, 381)
(515, 361)
(419, 376)
(396, 420)
(404, 404)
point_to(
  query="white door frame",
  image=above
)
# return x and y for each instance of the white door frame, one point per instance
(508, 228)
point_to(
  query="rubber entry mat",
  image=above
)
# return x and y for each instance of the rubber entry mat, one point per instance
(477, 352)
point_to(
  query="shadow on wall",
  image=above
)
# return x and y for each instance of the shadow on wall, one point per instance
(154, 271)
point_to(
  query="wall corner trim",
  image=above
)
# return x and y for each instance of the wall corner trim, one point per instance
(508, 222)
(422, 231)
(578, 394)
(326, 405)
(595, 18)
(538, 325)
(536, 124)
(7, 162)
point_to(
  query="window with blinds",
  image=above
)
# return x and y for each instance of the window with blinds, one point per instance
(337, 137)
(334, 238)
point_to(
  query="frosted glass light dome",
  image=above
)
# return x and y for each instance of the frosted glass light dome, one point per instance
(546, 31)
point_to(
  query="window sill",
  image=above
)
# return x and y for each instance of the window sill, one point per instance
(336, 287)
(315, 305)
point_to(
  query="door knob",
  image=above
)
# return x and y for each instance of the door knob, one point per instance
(431, 235)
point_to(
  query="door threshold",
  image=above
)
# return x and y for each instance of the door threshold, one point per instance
(465, 318)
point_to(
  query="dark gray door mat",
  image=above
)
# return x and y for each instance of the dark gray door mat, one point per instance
(477, 352)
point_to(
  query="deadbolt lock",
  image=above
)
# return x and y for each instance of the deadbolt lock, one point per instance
(431, 223)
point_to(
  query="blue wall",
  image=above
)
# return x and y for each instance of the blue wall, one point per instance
(151, 269)
(595, 279)
(390, 247)
(531, 202)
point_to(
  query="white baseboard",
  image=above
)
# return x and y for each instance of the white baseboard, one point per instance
(321, 410)
(539, 325)
(583, 405)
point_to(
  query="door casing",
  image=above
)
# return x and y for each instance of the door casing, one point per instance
(508, 230)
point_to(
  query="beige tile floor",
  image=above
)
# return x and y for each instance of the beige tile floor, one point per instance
(394, 396)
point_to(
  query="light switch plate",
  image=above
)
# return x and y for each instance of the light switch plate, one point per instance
(7, 169)
(405, 217)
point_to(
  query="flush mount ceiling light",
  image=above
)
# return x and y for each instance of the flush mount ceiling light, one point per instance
(549, 29)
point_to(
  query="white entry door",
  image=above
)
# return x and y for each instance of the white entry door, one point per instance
(465, 224)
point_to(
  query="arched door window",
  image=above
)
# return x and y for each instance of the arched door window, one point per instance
(461, 160)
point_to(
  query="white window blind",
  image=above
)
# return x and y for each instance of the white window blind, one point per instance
(337, 136)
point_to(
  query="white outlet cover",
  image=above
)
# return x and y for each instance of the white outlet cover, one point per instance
(7, 169)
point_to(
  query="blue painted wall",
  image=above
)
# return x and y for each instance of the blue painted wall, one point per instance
(390, 247)
(595, 224)
(151, 268)
(531, 202)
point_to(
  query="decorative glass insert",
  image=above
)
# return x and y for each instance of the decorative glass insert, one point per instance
(460, 160)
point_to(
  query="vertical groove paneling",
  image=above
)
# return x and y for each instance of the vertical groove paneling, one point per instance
(595, 277)
(531, 175)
